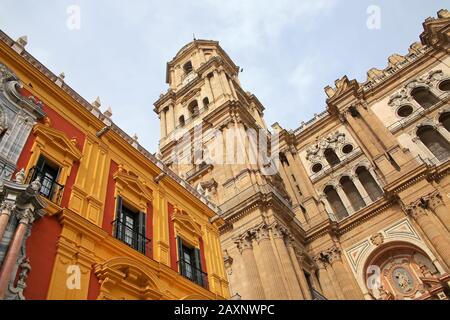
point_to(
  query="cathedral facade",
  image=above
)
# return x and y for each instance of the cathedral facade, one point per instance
(353, 204)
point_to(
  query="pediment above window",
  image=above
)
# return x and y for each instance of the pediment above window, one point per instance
(129, 182)
(57, 140)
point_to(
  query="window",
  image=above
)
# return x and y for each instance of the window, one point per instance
(348, 148)
(424, 97)
(181, 121)
(205, 103)
(336, 203)
(193, 108)
(405, 111)
(190, 265)
(331, 157)
(316, 167)
(130, 227)
(436, 143)
(352, 193)
(445, 85)
(369, 183)
(187, 67)
(445, 120)
(47, 173)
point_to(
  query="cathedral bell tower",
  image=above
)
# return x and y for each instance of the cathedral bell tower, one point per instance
(214, 136)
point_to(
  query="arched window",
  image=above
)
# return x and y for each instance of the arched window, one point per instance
(436, 143)
(445, 85)
(331, 157)
(336, 203)
(370, 185)
(181, 121)
(352, 193)
(187, 67)
(424, 97)
(205, 103)
(193, 108)
(445, 120)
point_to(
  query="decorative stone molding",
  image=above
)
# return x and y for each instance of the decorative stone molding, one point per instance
(429, 81)
(333, 254)
(435, 201)
(334, 141)
(320, 261)
(244, 241)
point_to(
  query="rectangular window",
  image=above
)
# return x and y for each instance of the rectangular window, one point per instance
(47, 173)
(130, 227)
(190, 263)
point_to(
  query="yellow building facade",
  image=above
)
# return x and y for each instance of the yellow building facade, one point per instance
(114, 221)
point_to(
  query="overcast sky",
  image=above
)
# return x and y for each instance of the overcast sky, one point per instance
(289, 49)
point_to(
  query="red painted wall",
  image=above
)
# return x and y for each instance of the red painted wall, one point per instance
(110, 201)
(41, 245)
(94, 287)
(172, 240)
(41, 250)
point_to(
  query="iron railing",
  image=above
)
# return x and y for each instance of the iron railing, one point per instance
(50, 188)
(131, 237)
(192, 273)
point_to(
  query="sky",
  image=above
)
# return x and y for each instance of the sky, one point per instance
(289, 49)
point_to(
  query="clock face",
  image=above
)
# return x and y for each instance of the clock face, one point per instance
(189, 78)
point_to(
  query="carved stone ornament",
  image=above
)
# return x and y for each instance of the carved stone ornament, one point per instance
(333, 141)
(377, 239)
(429, 80)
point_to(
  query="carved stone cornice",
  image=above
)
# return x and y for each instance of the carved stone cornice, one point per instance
(320, 261)
(244, 241)
(7, 208)
(435, 200)
(334, 254)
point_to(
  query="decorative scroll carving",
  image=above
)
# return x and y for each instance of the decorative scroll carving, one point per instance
(429, 80)
(333, 141)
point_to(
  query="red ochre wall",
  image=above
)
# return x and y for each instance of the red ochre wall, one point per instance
(41, 245)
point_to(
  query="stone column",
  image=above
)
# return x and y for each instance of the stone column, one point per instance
(25, 218)
(367, 142)
(279, 233)
(253, 281)
(266, 260)
(163, 124)
(348, 206)
(346, 281)
(296, 261)
(5, 212)
(301, 175)
(324, 279)
(362, 191)
(170, 119)
(440, 209)
(379, 131)
(439, 242)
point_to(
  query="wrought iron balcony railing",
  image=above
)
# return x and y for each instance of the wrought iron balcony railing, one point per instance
(50, 188)
(131, 237)
(194, 274)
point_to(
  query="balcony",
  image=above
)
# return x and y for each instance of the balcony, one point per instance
(132, 238)
(194, 274)
(50, 189)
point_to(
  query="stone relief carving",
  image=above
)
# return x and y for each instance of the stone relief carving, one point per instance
(429, 80)
(334, 140)
(377, 239)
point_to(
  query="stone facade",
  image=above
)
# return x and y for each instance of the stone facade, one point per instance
(358, 207)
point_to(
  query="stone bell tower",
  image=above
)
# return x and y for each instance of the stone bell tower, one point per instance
(214, 136)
